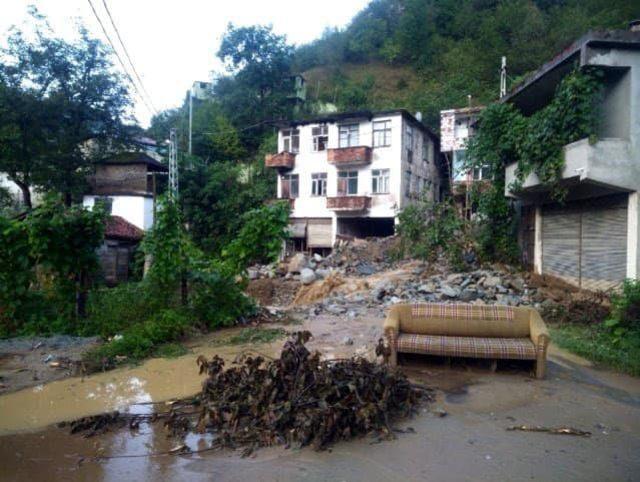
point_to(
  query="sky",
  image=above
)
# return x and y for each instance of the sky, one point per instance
(173, 43)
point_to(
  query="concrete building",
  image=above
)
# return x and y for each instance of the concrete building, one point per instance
(125, 184)
(456, 127)
(591, 240)
(350, 174)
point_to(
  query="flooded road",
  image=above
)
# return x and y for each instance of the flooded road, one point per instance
(470, 443)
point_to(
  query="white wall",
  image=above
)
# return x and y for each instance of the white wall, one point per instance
(138, 210)
(392, 157)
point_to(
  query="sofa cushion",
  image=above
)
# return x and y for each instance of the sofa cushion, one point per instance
(466, 346)
(465, 320)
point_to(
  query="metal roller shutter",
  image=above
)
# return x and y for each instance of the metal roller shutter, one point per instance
(561, 245)
(319, 233)
(604, 247)
(585, 243)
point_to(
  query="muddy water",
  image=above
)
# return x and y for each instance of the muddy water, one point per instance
(161, 379)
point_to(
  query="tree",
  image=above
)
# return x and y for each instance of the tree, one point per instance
(256, 91)
(62, 104)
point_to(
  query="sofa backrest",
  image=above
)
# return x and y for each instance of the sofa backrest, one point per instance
(465, 320)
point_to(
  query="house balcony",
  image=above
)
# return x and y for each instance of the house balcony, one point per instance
(283, 161)
(604, 166)
(349, 203)
(290, 201)
(349, 156)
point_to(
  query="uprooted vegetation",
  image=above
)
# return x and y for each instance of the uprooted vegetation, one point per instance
(294, 400)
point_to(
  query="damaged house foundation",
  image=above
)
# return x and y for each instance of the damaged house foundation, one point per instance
(592, 240)
(348, 175)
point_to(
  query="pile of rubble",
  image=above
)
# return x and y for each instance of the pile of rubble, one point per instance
(483, 286)
(358, 257)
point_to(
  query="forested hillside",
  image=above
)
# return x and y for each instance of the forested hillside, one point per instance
(429, 55)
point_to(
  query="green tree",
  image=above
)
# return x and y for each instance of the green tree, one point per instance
(62, 106)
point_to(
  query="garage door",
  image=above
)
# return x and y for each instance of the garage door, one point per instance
(585, 244)
(319, 233)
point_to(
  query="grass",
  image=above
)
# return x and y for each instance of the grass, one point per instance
(171, 350)
(596, 343)
(253, 335)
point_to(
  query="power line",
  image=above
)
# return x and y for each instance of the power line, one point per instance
(124, 68)
(126, 52)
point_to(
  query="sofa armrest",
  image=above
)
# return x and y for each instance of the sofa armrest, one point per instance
(391, 329)
(538, 330)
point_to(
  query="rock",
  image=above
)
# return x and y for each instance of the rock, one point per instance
(426, 288)
(253, 273)
(365, 269)
(517, 284)
(312, 264)
(448, 291)
(492, 281)
(322, 273)
(318, 258)
(347, 340)
(335, 309)
(307, 276)
(455, 278)
(468, 295)
(297, 263)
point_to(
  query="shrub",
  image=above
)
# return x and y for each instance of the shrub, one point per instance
(625, 309)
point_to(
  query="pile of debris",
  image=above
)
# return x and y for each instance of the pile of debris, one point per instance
(301, 400)
(483, 286)
(295, 400)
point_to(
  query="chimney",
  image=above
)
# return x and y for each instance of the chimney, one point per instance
(634, 25)
(419, 116)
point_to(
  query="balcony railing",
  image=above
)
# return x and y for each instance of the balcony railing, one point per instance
(349, 203)
(283, 160)
(349, 156)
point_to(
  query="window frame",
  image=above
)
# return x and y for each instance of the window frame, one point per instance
(349, 177)
(319, 184)
(292, 180)
(291, 140)
(106, 202)
(407, 187)
(380, 177)
(350, 130)
(385, 130)
(318, 133)
(409, 137)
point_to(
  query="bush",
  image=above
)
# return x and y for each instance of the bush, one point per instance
(625, 308)
(140, 340)
(428, 230)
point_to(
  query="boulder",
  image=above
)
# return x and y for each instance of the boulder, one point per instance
(253, 273)
(318, 258)
(492, 281)
(297, 263)
(307, 276)
(448, 291)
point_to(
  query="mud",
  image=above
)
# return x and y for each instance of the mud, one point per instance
(470, 443)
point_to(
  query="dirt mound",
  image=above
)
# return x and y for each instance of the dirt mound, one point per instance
(334, 283)
(273, 291)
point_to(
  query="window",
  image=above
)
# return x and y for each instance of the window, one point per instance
(291, 140)
(320, 138)
(459, 161)
(319, 184)
(382, 133)
(289, 186)
(349, 135)
(347, 183)
(427, 152)
(106, 203)
(407, 183)
(380, 181)
(408, 140)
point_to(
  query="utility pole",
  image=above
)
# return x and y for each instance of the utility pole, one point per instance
(503, 78)
(173, 163)
(190, 115)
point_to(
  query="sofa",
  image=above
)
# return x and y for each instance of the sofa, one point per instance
(464, 330)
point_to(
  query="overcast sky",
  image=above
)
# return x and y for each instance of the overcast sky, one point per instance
(173, 43)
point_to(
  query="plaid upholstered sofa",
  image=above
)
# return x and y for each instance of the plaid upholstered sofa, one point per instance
(464, 330)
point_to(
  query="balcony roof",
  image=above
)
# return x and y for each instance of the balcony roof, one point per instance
(539, 87)
(134, 157)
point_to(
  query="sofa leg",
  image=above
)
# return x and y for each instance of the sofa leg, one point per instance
(540, 369)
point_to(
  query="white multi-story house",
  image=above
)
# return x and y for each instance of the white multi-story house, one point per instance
(456, 128)
(350, 174)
